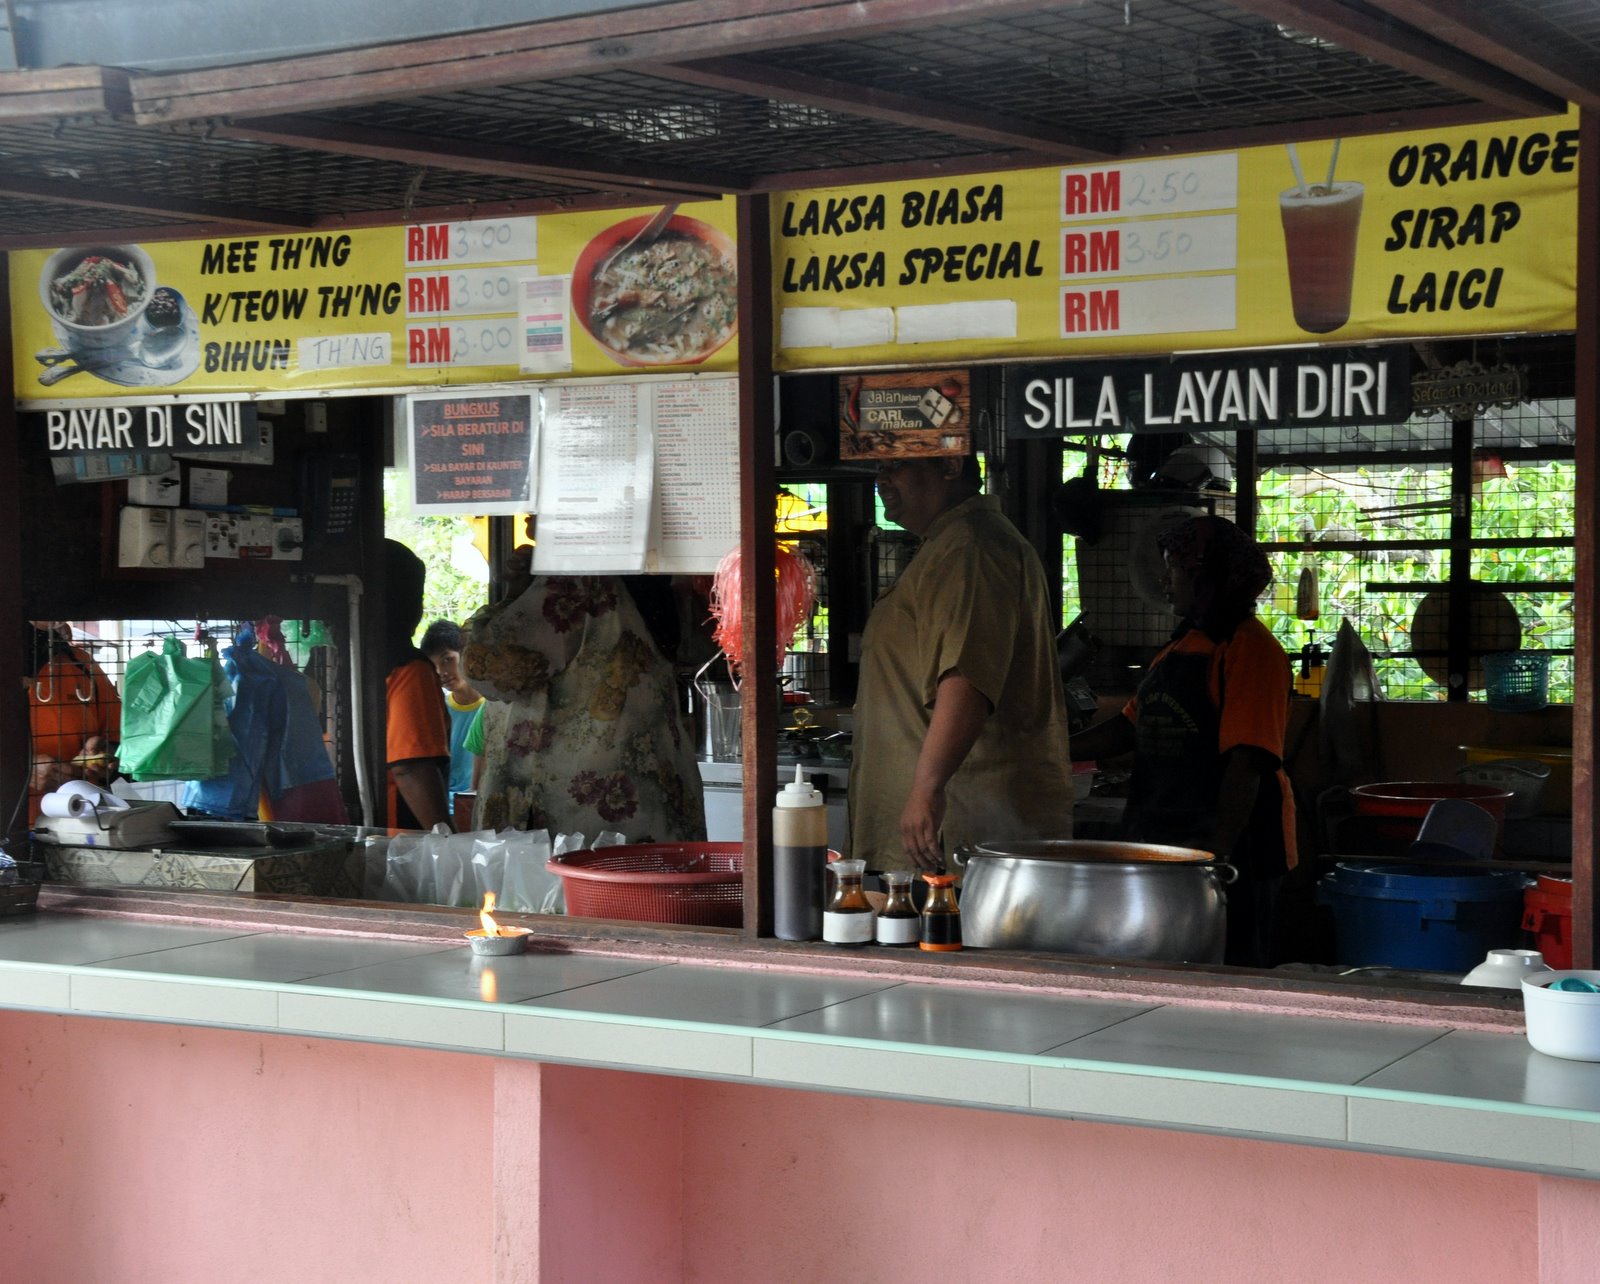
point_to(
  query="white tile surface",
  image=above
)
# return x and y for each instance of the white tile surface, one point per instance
(715, 995)
(115, 994)
(1315, 1049)
(22, 986)
(274, 956)
(1482, 1098)
(952, 1080)
(989, 1020)
(74, 939)
(1224, 1107)
(626, 1044)
(392, 1021)
(458, 974)
(1493, 1067)
(1484, 1135)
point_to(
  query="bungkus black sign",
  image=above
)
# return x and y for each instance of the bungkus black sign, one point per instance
(1278, 389)
(101, 429)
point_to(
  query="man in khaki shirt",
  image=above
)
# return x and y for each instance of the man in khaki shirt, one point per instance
(961, 728)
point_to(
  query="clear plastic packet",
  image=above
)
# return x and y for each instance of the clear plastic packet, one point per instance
(403, 868)
(488, 868)
(525, 881)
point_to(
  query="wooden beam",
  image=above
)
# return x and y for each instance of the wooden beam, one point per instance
(610, 41)
(61, 91)
(1407, 49)
(1529, 48)
(1420, 120)
(460, 211)
(758, 605)
(1423, 120)
(1586, 559)
(647, 182)
(100, 196)
(16, 740)
(745, 77)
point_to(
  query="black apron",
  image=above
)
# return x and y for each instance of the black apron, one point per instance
(1177, 771)
(1172, 798)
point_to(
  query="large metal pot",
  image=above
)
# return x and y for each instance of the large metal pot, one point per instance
(1117, 900)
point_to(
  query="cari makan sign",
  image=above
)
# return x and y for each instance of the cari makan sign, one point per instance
(108, 430)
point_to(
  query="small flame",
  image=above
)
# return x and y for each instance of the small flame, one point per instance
(490, 927)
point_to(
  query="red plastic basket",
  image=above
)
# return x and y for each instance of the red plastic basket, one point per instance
(694, 883)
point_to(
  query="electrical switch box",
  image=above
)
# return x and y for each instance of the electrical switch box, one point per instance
(166, 538)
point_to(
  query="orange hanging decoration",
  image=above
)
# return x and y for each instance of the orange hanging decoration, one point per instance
(796, 599)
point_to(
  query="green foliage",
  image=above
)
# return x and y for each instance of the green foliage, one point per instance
(450, 593)
(1382, 505)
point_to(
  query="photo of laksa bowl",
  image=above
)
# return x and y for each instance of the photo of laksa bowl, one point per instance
(95, 295)
(667, 299)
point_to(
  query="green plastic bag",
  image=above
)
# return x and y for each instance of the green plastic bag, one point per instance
(174, 716)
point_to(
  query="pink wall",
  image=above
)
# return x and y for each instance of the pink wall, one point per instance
(141, 1151)
(131, 1151)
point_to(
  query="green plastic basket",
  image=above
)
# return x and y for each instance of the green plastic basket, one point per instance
(1517, 681)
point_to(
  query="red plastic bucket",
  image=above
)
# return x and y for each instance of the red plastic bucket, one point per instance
(1397, 808)
(1547, 913)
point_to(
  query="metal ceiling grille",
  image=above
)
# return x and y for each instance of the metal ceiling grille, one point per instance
(625, 117)
(890, 91)
(1173, 67)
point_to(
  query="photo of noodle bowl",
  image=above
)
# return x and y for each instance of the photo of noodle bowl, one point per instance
(96, 294)
(669, 300)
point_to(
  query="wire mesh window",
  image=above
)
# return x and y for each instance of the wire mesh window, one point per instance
(1359, 525)
(102, 651)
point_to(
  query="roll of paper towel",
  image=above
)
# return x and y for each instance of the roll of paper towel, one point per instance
(80, 798)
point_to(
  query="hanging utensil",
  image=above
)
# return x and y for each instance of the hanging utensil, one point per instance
(1307, 594)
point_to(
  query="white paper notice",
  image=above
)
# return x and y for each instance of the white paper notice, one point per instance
(546, 336)
(596, 476)
(697, 474)
(208, 486)
(808, 327)
(942, 322)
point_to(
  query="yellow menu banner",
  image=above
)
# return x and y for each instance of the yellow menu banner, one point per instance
(399, 307)
(1460, 231)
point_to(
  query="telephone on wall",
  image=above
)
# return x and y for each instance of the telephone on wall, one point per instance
(332, 495)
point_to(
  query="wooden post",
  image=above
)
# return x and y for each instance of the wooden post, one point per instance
(1586, 572)
(16, 738)
(758, 488)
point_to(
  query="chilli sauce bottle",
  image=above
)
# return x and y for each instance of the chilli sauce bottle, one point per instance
(941, 916)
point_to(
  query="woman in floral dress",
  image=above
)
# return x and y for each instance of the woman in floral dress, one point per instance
(584, 730)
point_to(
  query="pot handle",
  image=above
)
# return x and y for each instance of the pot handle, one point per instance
(1226, 874)
(961, 855)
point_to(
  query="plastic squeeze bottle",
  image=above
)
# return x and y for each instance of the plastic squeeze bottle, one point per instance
(799, 857)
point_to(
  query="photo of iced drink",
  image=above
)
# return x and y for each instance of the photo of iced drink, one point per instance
(1320, 223)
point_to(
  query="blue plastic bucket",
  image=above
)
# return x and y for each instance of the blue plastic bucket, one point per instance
(1442, 920)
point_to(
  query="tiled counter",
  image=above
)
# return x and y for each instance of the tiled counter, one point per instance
(1416, 1090)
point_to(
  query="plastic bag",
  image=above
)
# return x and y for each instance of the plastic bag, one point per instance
(527, 884)
(488, 870)
(300, 756)
(403, 869)
(256, 715)
(174, 716)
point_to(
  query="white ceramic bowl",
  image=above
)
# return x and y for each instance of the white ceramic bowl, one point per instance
(1562, 1024)
(93, 338)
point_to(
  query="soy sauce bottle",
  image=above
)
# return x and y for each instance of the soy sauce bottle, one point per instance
(847, 919)
(941, 916)
(898, 920)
